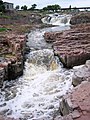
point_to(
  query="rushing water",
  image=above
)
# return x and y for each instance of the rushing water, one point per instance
(57, 19)
(37, 93)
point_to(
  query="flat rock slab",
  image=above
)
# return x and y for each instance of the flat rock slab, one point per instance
(72, 46)
(76, 105)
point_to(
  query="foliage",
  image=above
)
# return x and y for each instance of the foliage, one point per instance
(24, 7)
(4, 16)
(52, 8)
(2, 7)
(17, 7)
(33, 7)
(2, 29)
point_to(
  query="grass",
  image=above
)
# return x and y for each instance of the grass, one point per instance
(4, 16)
(3, 29)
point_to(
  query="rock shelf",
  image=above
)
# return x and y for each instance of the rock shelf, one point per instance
(12, 50)
(72, 46)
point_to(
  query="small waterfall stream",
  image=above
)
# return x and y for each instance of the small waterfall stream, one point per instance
(57, 19)
(37, 93)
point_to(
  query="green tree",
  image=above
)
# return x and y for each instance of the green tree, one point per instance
(33, 7)
(52, 8)
(2, 7)
(56, 7)
(17, 7)
(24, 7)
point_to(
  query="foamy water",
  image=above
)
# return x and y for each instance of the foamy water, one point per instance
(38, 92)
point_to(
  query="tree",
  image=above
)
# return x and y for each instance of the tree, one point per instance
(33, 7)
(2, 7)
(52, 8)
(24, 7)
(56, 7)
(17, 7)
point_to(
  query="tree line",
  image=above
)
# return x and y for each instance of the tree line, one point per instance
(2, 7)
(33, 7)
(53, 8)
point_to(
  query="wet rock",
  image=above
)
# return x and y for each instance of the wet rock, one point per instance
(2, 73)
(88, 64)
(6, 118)
(81, 73)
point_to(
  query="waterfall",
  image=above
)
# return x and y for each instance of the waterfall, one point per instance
(37, 93)
(56, 19)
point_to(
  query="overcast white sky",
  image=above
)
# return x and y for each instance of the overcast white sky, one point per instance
(43, 3)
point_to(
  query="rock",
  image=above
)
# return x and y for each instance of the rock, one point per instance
(6, 118)
(76, 104)
(71, 46)
(2, 73)
(80, 18)
(13, 50)
(81, 73)
(88, 64)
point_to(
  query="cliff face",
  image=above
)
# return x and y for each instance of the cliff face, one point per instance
(12, 50)
(72, 46)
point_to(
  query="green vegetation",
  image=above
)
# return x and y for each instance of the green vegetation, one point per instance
(24, 7)
(4, 16)
(33, 7)
(17, 7)
(2, 7)
(53, 8)
(3, 29)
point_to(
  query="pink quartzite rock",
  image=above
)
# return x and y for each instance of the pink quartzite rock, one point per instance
(76, 105)
(72, 46)
(81, 73)
(12, 49)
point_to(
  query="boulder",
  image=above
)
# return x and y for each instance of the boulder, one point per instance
(81, 73)
(76, 105)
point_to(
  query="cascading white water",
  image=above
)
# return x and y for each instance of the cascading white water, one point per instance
(37, 93)
(57, 19)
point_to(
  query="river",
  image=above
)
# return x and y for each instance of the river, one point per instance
(37, 93)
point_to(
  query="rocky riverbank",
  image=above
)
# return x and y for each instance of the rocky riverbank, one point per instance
(13, 44)
(72, 46)
(83, 17)
(12, 50)
(13, 41)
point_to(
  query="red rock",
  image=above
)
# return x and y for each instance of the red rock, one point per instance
(81, 97)
(72, 46)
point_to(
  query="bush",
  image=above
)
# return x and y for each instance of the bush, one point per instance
(3, 29)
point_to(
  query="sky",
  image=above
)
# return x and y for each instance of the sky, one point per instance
(44, 3)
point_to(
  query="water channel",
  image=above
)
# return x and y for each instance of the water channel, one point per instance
(37, 93)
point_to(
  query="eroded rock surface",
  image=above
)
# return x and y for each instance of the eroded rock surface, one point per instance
(72, 46)
(12, 49)
(80, 18)
(76, 105)
(81, 73)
